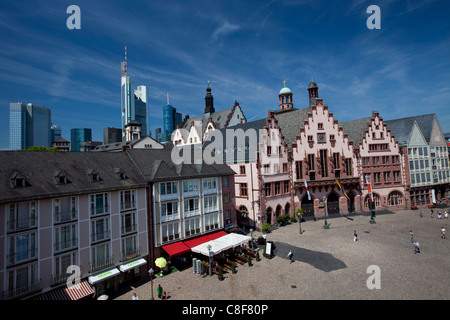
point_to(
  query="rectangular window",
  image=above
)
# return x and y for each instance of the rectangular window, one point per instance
(268, 189)
(242, 169)
(100, 229)
(337, 162)
(387, 177)
(377, 177)
(324, 162)
(299, 170)
(21, 248)
(168, 188)
(311, 164)
(243, 189)
(22, 216)
(286, 186)
(190, 185)
(65, 237)
(210, 203)
(128, 222)
(211, 183)
(277, 188)
(127, 200)
(170, 231)
(191, 206)
(99, 204)
(192, 226)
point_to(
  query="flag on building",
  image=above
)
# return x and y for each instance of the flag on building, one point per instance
(307, 190)
(343, 191)
(369, 187)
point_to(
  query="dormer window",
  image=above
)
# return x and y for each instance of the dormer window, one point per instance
(120, 174)
(19, 181)
(61, 178)
(93, 175)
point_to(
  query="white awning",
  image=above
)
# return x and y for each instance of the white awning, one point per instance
(132, 264)
(217, 246)
(235, 239)
(103, 276)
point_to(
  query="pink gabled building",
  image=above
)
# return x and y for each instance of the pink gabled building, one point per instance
(320, 154)
(380, 161)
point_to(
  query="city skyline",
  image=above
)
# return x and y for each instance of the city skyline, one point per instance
(245, 49)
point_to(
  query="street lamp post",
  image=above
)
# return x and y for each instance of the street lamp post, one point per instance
(251, 234)
(151, 272)
(209, 253)
(325, 224)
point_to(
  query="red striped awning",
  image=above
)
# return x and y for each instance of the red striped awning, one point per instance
(80, 291)
(199, 240)
(177, 248)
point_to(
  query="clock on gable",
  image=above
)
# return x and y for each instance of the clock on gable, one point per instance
(321, 138)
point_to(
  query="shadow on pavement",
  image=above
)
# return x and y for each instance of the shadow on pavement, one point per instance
(320, 260)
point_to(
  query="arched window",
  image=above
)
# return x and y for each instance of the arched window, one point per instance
(243, 212)
(395, 198)
(376, 199)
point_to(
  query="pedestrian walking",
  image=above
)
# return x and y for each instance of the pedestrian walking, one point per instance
(416, 247)
(439, 215)
(411, 234)
(432, 215)
(164, 296)
(445, 214)
(160, 291)
(290, 255)
(135, 297)
(355, 236)
(443, 236)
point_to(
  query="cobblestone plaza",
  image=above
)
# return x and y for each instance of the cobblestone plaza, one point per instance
(328, 264)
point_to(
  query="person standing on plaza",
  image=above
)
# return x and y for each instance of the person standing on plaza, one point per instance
(160, 291)
(290, 255)
(445, 214)
(411, 234)
(443, 236)
(135, 297)
(355, 236)
(416, 247)
(432, 215)
(439, 216)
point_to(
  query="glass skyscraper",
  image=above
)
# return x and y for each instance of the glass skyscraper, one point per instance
(78, 136)
(29, 125)
(134, 103)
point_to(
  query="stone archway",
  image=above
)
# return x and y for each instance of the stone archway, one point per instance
(307, 207)
(269, 215)
(332, 204)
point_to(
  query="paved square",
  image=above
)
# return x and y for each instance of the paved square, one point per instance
(328, 264)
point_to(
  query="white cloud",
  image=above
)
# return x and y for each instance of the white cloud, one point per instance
(225, 29)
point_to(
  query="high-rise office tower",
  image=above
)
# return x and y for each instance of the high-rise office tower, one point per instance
(55, 132)
(29, 125)
(134, 103)
(112, 135)
(171, 119)
(78, 136)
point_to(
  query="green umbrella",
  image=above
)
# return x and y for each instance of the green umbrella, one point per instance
(161, 262)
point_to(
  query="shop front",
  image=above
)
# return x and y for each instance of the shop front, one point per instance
(104, 281)
(131, 271)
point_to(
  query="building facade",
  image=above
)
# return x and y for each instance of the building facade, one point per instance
(108, 215)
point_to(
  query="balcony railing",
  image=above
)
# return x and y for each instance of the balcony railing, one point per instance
(22, 291)
(100, 236)
(22, 224)
(65, 245)
(97, 265)
(98, 210)
(66, 216)
(128, 229)
(130, 255)
(21, 256)
(128, 205)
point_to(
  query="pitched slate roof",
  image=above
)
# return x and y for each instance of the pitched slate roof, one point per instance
(356, 129)
(229, 149)
(402, 128)
(290, 122)
(157, 165)
(41, 169)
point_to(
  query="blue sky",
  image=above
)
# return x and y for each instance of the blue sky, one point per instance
(244, 48)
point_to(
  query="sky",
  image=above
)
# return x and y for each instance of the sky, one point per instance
(245, 49)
